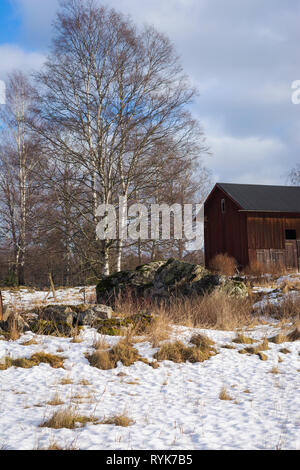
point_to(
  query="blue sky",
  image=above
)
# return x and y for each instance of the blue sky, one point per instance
(242, 56)
(10, 23)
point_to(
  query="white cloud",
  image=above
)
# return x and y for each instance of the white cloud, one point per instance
(252, 160)
(13, 57)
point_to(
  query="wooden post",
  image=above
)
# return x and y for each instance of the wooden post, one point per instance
(1, 307)
(52, 286)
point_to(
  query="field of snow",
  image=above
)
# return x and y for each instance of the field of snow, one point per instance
(175, 406)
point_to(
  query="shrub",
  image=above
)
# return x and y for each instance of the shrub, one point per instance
(223, 264)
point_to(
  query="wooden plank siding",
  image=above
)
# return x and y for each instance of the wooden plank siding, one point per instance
(268, 230)
(224, 233)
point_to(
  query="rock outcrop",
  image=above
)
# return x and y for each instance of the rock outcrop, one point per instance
(160, 280)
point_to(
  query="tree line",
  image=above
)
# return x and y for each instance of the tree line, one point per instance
(108, 115)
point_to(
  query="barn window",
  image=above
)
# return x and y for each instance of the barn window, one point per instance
(223, 206)
(290, 235)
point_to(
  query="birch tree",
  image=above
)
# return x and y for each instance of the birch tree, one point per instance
(110, 94)
(18, 158)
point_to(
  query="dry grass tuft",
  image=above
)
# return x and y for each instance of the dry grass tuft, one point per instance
(118, 420)
(201, 341)
(55, 400)
(77, 339)
(101, 360)
(223, 264)
(294, 335)
(224, 395)
(284, 351)
(123, 351)
(158, 330)
(242, 339)
(100, 343)
(35, 360)
(30, 342)
(264, 346)
(66, 381)
(178, 352)
(279, 338)
(54, 361)
(68, 418)
(84, 382)
(227, 346)
(262, 356)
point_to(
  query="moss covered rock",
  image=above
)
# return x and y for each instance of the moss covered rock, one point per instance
(161, 279)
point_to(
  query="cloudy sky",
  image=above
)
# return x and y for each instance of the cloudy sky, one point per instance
(242, 55)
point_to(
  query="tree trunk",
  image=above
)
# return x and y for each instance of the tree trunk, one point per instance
(1, 307)
(105, 259)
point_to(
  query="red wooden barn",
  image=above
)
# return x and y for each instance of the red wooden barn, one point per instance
(253, 223)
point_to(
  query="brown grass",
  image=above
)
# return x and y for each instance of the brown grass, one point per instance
(264, 346)
(66, 381)
(223, 264)
(30, 342)
(68, 418)
(159, 330)
(257, 268)
(201, 341)
(242, 339)
(287, 308)
(178, 352)
(284, 351)
(100, 343)
(35, 360)
(123, 351)
(55, 400)
(294, 335)
(118, 420)
(84, 382)
(217, 310)
(224, 395)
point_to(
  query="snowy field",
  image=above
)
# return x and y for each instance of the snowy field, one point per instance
(175, 406)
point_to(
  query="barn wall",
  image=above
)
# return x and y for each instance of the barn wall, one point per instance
(224, 233)
(268, 230)
(266, 239)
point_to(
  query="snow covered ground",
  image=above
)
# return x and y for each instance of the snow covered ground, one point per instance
(175, 406)
(26, 298)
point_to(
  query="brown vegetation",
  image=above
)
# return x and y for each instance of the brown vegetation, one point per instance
(68, 418)
(223, 264)
(35, 360)
(178, 352)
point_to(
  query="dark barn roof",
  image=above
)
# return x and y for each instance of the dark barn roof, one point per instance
(260, 198)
